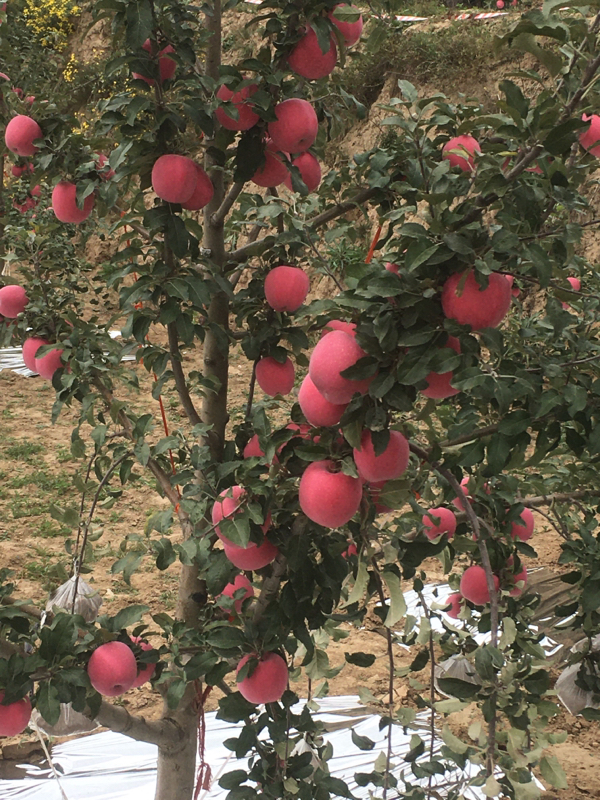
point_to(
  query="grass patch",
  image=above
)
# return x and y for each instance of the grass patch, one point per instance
(47, 482)
(24, 451)
(22, 508)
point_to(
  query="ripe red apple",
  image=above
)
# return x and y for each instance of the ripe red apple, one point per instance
(112, 669)
(252, 557)
(225, 506)
(500, 4)
(466, 302)
(339, 325)
(590, 138)
(460, 152)
(351, 551)
(268, 682)
(286, 288)
(203, 192)
(332, 355)
(13, 300)
(392, 267)
(275, 378)
(296, 126)
(438, 521)
(174, 178)
(329, 497)
(103, 167)
(20, 134)
(576, 286)
(240, 583)
(146, 670)
(14, 717)
(385, 467)
(351, 31)
(375, 493)
(64, 203)
(473, 585)
(310, 170)
(439, 387)
(455, 601)
(515, 578)
(47, 365)
(308, 60)
(523, 530)
(166, 65)
(274, 171)
(458, 502)
(30, 348)
(317, 410)
(247, 118)
(18, 171)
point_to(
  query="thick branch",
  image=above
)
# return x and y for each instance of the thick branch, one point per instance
(31, 611)
(270, 587)
(165, 733)
(218, 218)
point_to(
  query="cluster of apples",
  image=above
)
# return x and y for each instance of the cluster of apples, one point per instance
(113, 670)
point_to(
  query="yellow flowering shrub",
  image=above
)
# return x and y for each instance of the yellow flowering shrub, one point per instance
(51, 21)
(70, 71)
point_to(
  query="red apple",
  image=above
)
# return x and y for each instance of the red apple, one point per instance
(308, 60)
(166, 65)
(112, 669)
(392, 267)
(375, 492)
(310, 170)
(590, 138)
(329, 497)
(286, 288)
(247, 118)
(146, 670)
(64, 203)
(240, 583)
(20, 134)
(47, 365)
(274, 171)
(103, 167)
(500, 4)
(253, 448)
(466, 302)
(252, 557)
(275, 378)
(268, 681)
(18, 171)
(458, 501)
(203, 192)
(351, 551)
(317, 410)
(473, 585)
(14, 717)
(455, 601)
(515, 578)
(576, 286)
(174, 178)
(385, 467)
(460, 152)
(339, 325)
(332, 355)
(439, 387)
(13, 300)
(351, 31)
(30, 348)
(523, 530)
(438, 521)
(296, 126)
(226, 505)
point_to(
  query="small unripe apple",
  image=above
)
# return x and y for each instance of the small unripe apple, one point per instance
(473, 585)
(30, 348)
(455, 601)
(460, 152)
(329, 497)
(339, 325)
(332, 355)
(240, 583)
(146, 670)
(47, 365)
(247, 118)
(286, 288)
(203, 191)
(268, 681)
(317, 410)
(174, 178)
(438, 521)
(252, 557)
(388, 465)
(523, 527)
(308, 60)
(310, 171)
(296, 126)
(112, 669)
(13, 300)
(590, 138)
(20, 134)
(64, 203)
(275, 170)
(14, 717)
(464, 301)
(438, 383)
(351, 31)
(275, 378)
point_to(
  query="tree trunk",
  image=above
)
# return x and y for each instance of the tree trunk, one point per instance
(176, 776)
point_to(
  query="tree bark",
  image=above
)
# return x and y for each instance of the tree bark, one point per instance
(176, 775)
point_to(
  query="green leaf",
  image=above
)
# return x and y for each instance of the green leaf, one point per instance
(360, 659)
(139, 23)
(47, 702)
(553, 773)
(457, 688)
(397, 607)
(128, 616)
(362, 742)
(360, 585)
(453, 742)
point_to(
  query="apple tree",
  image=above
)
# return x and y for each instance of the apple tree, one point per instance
(452, 384)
